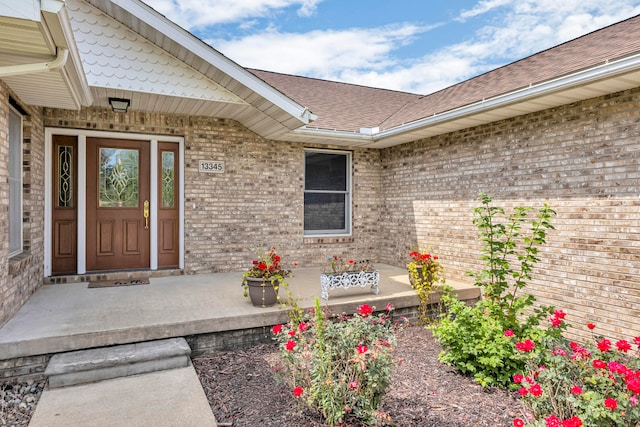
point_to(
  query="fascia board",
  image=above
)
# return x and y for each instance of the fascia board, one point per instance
(206, 52)
(607, 70)
(57, 27)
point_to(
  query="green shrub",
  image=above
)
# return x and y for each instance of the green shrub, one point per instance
(340, 367)
(473, 337)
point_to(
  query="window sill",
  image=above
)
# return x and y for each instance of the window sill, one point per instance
(327, 239)
(19, 262)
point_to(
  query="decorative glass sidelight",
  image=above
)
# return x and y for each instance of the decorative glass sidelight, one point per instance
(119, 176)
(65, 176)
(168, 173)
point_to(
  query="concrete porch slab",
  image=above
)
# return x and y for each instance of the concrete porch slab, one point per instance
(70, 316)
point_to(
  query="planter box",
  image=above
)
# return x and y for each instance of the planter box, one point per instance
(347, 280)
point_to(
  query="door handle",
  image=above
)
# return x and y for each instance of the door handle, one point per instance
(145, 213)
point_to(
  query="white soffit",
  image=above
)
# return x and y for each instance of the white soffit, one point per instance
(114, 57)
(36, 44)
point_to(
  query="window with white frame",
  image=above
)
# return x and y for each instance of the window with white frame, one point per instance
(327, 192)
(15, 182)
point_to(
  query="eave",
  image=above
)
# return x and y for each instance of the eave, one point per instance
(38, 58)
(606, 78)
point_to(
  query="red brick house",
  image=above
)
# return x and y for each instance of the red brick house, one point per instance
(127, 143)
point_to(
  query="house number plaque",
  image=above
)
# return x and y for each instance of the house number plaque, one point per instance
(211, 166)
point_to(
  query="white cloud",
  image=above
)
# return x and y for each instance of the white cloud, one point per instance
(193, 14)
(510, 30)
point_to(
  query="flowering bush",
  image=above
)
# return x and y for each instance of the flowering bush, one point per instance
(424, 270)
(473, 337)
(268, 268)
(570, 385)
(340, 367)
(338, 265)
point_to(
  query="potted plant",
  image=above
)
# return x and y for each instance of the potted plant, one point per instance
(263, 280)
(424, 270)
(344, 274)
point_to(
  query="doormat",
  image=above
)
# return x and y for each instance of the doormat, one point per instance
(122, 282)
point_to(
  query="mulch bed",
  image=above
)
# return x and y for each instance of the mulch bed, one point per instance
(242, 391)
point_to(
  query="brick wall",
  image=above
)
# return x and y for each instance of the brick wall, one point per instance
(582, 159)
(21, 275)
(256, 202)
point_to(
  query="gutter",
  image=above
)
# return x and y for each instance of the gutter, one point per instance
(571, 81)
(608, 70)
(15, 70)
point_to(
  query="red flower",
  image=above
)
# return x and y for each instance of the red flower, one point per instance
(292, 333)
(536, 390)
(413, 254)
(610, 403)
(599, 364)
(365, 310)
(361, 349)
(572, 422)
(552, 421)
(634, 385)
(636, 341)
(290, 345)
(353, 385)
(262, 266)
(508, 333)
(623, 346)
(297, 391)
(591, 326)
(526, 345)
(576, 389)
(559, 314)
(517, 378)
(555, 322)
(351, 261)
(303, 326)
(276, 329)
(604, 345)
(522, 391)
(518, 423)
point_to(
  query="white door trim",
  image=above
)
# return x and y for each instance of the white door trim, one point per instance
(82, 189)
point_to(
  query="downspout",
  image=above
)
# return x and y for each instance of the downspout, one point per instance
(59, 62)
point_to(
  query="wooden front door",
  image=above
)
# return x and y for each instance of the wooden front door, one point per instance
(118, 211)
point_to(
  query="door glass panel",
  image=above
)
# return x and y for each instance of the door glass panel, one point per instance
(119, 176)
(65, 176)
(168, 170)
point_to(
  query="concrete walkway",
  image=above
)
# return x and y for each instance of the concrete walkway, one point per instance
(160, 399)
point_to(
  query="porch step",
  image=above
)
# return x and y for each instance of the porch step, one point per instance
(86, 366)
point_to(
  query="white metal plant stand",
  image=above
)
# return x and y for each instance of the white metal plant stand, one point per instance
(347, 280)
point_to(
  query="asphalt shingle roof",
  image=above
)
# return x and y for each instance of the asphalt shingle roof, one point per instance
(349, 107)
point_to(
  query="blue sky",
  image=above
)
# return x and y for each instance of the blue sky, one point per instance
(417, 46)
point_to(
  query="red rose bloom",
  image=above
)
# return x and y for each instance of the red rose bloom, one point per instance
(508, 333)
(276, 329)
(536, 390)
(297, 391)
(623, 346)
(591, 326)
(599, 364)
(365, 310)
(361, 349)
(290, 345)
(610, 403)
(526, 345)
(576, 389)
(518, 423)
(604, 345)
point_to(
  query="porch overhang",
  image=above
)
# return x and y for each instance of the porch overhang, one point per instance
(38, 57)
(265, 110)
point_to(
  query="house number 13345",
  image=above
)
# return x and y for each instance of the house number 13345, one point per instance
(210, 166)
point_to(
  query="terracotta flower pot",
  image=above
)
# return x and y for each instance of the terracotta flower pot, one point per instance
(262, 292)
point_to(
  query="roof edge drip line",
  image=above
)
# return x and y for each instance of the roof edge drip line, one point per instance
(57, 63)
(581, 78)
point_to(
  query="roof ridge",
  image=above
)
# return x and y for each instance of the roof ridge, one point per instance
(334, 81)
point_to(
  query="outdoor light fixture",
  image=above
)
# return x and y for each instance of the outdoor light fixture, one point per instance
(119, 105)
